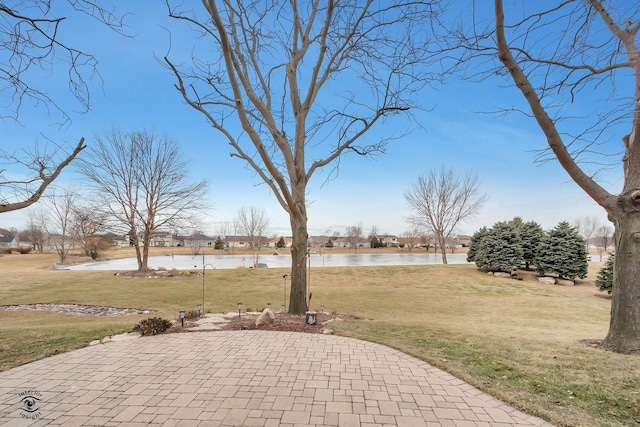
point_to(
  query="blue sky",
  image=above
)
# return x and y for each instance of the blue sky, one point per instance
(455, 131)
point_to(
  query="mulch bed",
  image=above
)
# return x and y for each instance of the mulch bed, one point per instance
(157, 274)
(285, 322)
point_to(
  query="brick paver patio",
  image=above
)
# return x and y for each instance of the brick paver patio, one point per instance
(244, 378)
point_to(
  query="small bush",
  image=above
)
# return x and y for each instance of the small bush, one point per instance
(152, 326)
(24, 250)
(191, 315)
(604, 281)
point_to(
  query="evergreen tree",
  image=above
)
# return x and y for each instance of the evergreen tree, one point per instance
(604, 281)
(219, 243)
(281, 243)
(475, 243)
(500, 249)
(530, 235)
(329, 243)
(562, 251)
(517, 223)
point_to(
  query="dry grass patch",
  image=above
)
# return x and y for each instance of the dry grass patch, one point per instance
(521, 341)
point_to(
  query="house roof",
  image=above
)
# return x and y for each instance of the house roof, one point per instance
(246, 238)
(6, 235)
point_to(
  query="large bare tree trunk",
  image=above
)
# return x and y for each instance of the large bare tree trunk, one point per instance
(443, 251)
(298, 297)
(623, 210)
(624, 327)
(278, 84)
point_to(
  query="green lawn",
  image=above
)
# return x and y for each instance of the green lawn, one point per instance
(521, 341)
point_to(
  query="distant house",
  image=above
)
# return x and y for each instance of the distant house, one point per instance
(117, 239)
(388, 240)
(272, 243)
(464, 240)
(318, 241)
(163, 238)
(8, 239)
(410, 242)
(197, 240)
(350, 242)
(245, 241)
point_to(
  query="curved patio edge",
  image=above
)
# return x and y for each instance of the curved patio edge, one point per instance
(238, 378)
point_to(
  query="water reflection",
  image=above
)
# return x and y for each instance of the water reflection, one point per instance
(187, 262)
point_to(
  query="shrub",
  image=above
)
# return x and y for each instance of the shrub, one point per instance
(530, 234)
(24, 250)
(475, 243)
(604, 281)
(152, 326)
(562, 251)
(191, 315)
(499, 249)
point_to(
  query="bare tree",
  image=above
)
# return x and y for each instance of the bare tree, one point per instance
(223, 229)
(141, 181)
(37, 169)
(88, 224)
(271, 82)
(427, 239)
(412, 237)
(31, 50)
(354, 235)
(441, 200)
(590, 57)
(587, 227)
(603, 239)
(59, 208)
(35, 231)
(253, 223)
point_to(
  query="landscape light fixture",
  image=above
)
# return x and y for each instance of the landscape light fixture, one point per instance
(269, 305)
(239, 308)
(199, 309)
(322, 308)
(311, 318)
(182, 314)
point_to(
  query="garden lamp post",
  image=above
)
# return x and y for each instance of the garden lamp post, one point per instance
(182, 315)
(284, 293)
(204, 267)
(239, 308)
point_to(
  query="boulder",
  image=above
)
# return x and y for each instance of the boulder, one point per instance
(565, 282)
(547, 280)
(266, 318)
(502, 274)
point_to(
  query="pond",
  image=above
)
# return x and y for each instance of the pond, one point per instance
(188, 262)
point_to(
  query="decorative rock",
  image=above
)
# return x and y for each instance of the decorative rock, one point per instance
(547, 280)
(502, 274)
(327, 331)
(565, 282)
(111, 338)
(266, 317)
(76, 309)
